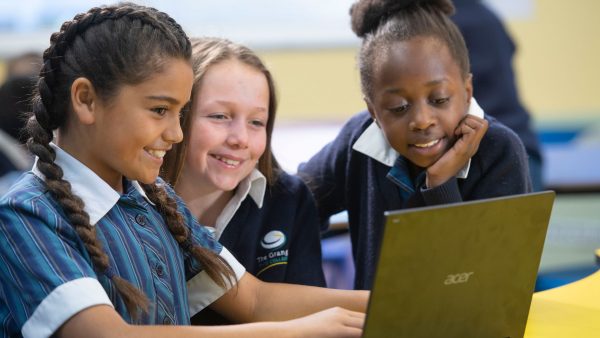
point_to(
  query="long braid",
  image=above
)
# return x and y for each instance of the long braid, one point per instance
(215, 266)
(49, 112)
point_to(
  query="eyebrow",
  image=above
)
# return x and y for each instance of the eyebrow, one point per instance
(258, 108)
(428, 84)
(436, 82)
(163, 98)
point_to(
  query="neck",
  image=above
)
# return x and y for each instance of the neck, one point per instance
(205, 204)
(76, 144)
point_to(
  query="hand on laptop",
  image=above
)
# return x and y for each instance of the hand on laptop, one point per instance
(335, 322)
(469, 133)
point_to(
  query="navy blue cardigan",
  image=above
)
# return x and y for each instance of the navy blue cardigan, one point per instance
(288, 207)
(344, 179)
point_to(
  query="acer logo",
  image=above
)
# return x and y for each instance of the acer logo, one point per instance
(458, 278)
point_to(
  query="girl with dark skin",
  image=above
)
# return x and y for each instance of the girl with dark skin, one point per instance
(424, 140)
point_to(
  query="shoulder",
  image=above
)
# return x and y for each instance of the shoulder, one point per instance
(288, 184)
(28, 203)
(345, 139)
(357, 124)
(291, 182)
(27, 190)
(500, 145)
(500, 137)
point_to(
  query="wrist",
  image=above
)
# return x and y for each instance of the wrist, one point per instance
(286, 329)
(433, 180)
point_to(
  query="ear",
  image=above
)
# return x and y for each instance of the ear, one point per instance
(371, 110)
(84, 100)
(469, 87)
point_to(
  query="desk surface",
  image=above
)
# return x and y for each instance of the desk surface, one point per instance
(572, 310)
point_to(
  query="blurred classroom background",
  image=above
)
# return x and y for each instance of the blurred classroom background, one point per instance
(309, 47)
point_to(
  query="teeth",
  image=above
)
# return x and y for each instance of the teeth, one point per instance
(157, 153)
(426, 145)
(227, 161)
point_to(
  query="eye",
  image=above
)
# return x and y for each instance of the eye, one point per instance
(258, 123)
(440, 101)
(398, 110)
(161, 111)
(218, 116)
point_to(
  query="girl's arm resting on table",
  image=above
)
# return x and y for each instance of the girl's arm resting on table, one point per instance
(254, 300)
(240, 303)
(102, 321)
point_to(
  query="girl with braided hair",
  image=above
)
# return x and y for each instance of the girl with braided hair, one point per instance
(423, 141)
(91, 241)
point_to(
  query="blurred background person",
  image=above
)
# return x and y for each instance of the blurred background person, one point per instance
(15, 95)
(491, 52)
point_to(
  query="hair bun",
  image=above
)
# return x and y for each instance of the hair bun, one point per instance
(367, 15)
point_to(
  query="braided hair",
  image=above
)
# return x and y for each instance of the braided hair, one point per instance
(380, 23)
(111, 46)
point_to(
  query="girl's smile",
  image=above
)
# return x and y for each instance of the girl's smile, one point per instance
(230, 162)
(157, 155)
(424, 149)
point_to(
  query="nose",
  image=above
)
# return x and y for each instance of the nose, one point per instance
(422, 117)
(238, 134)
(173, 133)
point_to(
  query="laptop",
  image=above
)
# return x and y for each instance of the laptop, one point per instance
(459, 270)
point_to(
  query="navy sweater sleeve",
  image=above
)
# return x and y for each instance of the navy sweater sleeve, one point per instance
(499, 168)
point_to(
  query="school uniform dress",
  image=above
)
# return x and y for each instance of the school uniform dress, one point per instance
(47, 275)
(360, 172)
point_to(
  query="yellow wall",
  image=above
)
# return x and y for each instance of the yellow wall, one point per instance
(316, 84)
(558, 59)
(557, 65)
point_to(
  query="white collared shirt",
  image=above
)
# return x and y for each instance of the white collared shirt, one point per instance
(98, 196)
(254, 185)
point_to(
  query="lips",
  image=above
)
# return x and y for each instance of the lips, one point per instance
(156, 153)
(427, 144)
(226, 160)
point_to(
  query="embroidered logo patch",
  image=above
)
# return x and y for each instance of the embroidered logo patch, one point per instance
(273, 239)
(275, 254)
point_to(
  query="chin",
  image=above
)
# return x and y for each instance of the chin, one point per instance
(147, 179)
(228, 187)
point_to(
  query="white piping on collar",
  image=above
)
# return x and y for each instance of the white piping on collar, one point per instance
(372, 142)
(98, 197)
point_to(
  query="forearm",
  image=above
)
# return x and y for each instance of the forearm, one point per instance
(103, 321)
(287, 301)
(252, 330)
